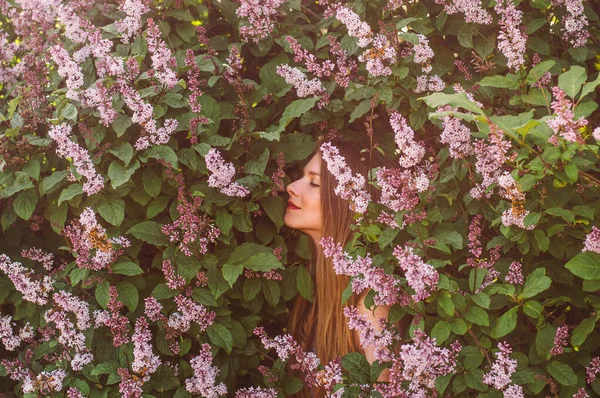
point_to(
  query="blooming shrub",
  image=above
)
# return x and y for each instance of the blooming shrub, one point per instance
(145, 146)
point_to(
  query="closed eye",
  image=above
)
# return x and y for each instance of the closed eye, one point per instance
(314, 185)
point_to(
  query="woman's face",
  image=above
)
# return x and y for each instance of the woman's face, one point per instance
(304, 207)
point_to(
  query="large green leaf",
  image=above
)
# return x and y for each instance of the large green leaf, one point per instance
(25, 203)
(585, 265)
(128, 295)
(220, 336)
(150, 232)
(562, 373)
(506, 323)
(231, 272)
(120, 174)
(112, 209)
(572, 80)
(535, 283)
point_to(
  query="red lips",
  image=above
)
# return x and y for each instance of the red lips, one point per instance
(292, 206)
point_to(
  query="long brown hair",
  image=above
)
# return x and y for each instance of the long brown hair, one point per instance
(322, 323)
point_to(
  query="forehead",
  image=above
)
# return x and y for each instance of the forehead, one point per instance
(314, 164)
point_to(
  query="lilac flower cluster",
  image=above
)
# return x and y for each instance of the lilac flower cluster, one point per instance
(174, 281)
(189, 312)
(365, 275)
(512, 39)
(97, 96)
(256, 392)
(596, 133)
(81, 158)
(346, 65)
(561, 340)
(69, 334)
(163, 62)
(131, 25)
(592, 370)
(117, 323)
(423, 53)
(576, 22)
(420, 276)
(592, 241)
(222, 174)
(429, 83)
(417, 366)
(563, 123)
(400, 188)
(34, 288)
(298, 79)
(502, 369)
(145, 362)
(490, 158)
(476, 251)
(94, 249)
(350, 187)
(472, 10)
(260, 15)
(193, 84)
(10, 340)
(310, 60)
(457, 136)
(411, 152)
(69, 69)
(369, 337)
(356, 27)
(45, 382)
(515, 274)
(203, 381)
(517, 213)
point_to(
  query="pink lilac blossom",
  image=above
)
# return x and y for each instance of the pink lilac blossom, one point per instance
(596, 134)
(576, 22)
(130, 385)
(298, 79)
(174, 281)
(9, 339)
(117, 323)
(97, 96)
(429, 83)
(86, 235)
(131, 25)
(193, 84)
(34, 288)
(204, 380)
(563, 124)
(256, 392)
(222, 174)
(145, 362)
(310, 60)
(490, 158)
(191, 312)
(417, 366)
(423, 53)
(517, 213)
(8, 73)
(152, 309)
(47, 259)
(81, 158)
(382, 51)
(260, 15)
(72, 392)
(561, 340)
(472, 9)
(387, 219)
(46, 382)
(76, 28)
(592, 241)
(163, 62)
(515, 274)
(581, 393)
(399, 190)
(457, 136)
(420, 276)
(69, 69)
(411, 152)
(512, 39)
(350, 187)
(356, 27)
(278, 175)
(592, 370)
(369, 336)
(502, 369)
(346, 66)
(514, 391)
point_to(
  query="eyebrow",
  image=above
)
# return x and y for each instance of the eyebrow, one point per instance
(312, 173)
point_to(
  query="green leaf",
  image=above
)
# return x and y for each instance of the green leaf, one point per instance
(25, 203)
(121, 124)
(271, 291)
(203, 296)
(567, 215)
(52, 182)
(150, 232)
(499, 82)
(163, 152)
(124, 152)
(481, 299)
(532, 308)
(275, 209)
(358, 367)
(263, 262)
(535, 283)
(506, 323)
(295, 109)
(152, 182)
(112, 209)
(291, 385)
(542, 240)
(572, 80)
(128, 295)
(445, 306)
(224, 221)
(295, 146)
(220, 336)
(231, 272)
(539, 70)
(102, 294)
(585, 265)
(251, 288)
(360, 110)
(562, 373)
(304, 283)
(544, 340)
(162, 291)
(478, 316)
(157, 206)
(127, 268)
(70, 192)
(455, 100)
(582, 330)
(69, 112)
(257, 167)
(120, 174)
(441, 331)
(590, 87)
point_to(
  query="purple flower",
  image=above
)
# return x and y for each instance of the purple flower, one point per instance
(457, 136)
(515, 274)
(190, 312)
(118, 324)
(411, 152)
(34, 288)
(163, 62)
(512, 39)
(596, 134)
(69, 69)
(561, 340)
(474, 13)
(382, 51)
(256, 392)
(298, 79)
(9, 339)
(203, 381)
(592, 370)
(592, 241)
(420, 276)
(429, 83)
(356, 27)
(563, 124)
(514, 391)
(502, 369)
(576, 22)
(369, 337)
(260, 15)
(131, 25)
(423, 53)
(145, 362)
(222, 174)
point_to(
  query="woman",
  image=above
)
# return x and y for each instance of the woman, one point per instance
(316, 210)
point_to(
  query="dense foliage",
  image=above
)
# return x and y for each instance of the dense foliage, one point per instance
(144, 150)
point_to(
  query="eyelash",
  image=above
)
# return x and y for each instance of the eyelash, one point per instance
(314, 185)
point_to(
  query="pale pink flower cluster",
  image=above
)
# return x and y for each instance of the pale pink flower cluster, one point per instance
(311, 61)
(117, 323)
(34, 288)
(97, 96)
(400, 188)
(563, 123)
(188, 312)
(81, 158)
(476, 250)
(8, 73)
(222, 174)
(429, 83)
(581, 393)
(356, 27)
(472, 10)
(87, 236)
(415, 369)
(69, 69)
(576, 22)
(45, 382)
(420, 276)
(596, 134)
(204, 380)
(76, 28)
(517, 213)
(457, 136)
(350, 187)
(490, 158)
(411, 151)
(69, 334)
(11, 340)
(592, 370)
(260, 15)
(131, 25)
(163, 62)
(515, 274)
(502, 369)
(375, 57)
(72, 392)
(512, 39)
(369, 337)
(256, 392)
(592, 241)
(423, 53)
(298, 79)
(366, 276)
(145, 362)
(388, 219)
(174, 280)
(561, 340)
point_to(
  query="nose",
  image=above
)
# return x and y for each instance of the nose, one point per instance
(291, 189)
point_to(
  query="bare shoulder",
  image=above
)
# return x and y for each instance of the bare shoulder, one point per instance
(381, 311)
